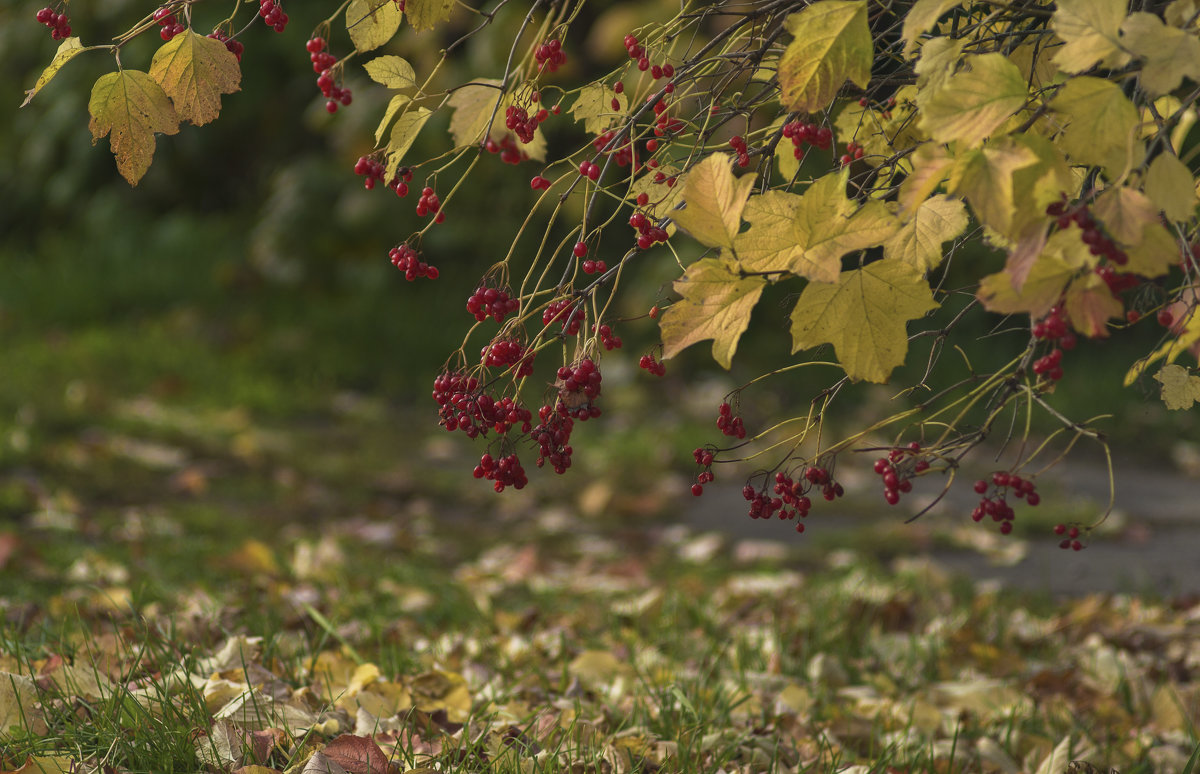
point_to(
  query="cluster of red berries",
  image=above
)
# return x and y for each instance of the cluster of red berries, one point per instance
(1118, 282)
(590, 170)
(607, 339)
(272, 14)
(566, 311)
(370, 169)
(704, 458)
(508, 352)
(634, 49)
(406, 260)
(508, 150)
(589, 266)
(1092, 235)
(579, 387)
(169, 26)
(429, 203)
(1053, 327)
(539, 183)
(518, 120)
(234, 47)
(491, 302)
(854, 151)
(1071, 540)
(792, 500)
(336, 95)
(800, 134)
(996, 505)
(59, 24)
(728, 424)
(553, 437)
(648, 232)
(622, 155)
(894, 476)
(463, 407)
(322, 60)
(504, 472)
(738, 143)
(654, 367)
(550, 56)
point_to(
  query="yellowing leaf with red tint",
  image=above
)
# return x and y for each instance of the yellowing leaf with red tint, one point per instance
(1090, 305)
(1040, 291)
(864, 316)
(195, 71)
(716, 305)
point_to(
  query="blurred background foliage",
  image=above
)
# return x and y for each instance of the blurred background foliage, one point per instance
(249, 268)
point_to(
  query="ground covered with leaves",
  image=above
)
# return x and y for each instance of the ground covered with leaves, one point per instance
(189, 591)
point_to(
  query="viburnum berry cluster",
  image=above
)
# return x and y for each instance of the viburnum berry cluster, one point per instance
(430, 204)
(652, 365)
(492, 302)
(896, 471)
(729, 424)
(579, 387)
(234, 46)
(321, 59)
(738, 143)
(518, 120)
(509, 152)
(272, 14)
(1070, 537)
(608, 339)
(406, 259)
(506, 471)
(994, 500)
(550, 55)
(169, 26)
(508, 353)
(566, 311)
(801, 134)
(649, 233)
(59, 24)
(1091, 233)
(1055, 328)
(792, 500)
(854, 152)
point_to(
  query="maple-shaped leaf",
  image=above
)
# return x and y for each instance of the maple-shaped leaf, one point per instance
(594, 107)
(1101, 124)
(479, 101)
(1090, 305)
(195, 71)
(1040, 291)
(974, 102)
(808, 235)
(1091, 30)
(864, 316)
(1170, 185)
(1124, 211)
(716, 304)
(832, 43)
(939, 60)
(357, 755)
(404, 133)
(714, 199)
(426, 14)
(129, 106)
(1180, 389)
(920, 18)
(371, 23)
(1154, 254)
(67, 50)
(931, 165)
(392, 71)
(919, 240)
(1169, 53)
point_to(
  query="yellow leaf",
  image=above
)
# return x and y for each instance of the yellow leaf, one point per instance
(1090, 305)
(1102, 124)
(920, 18)
(1179, 391)
(598, 668)
(1125, 211)
(130, 107)
(1091, 29)
(974, 102)
(19, 707)
(808, 235)
(882, 134)
(442, 690)
(474, 105)
(426, 14)
(832, 43)
(404, 132)
(1180, 12)
(66, 52)
(939, 60)
(594, 107)
(371, 23)
(1171, 349)
(1170, 186)
(1058, 759)
(931, 165)
(863, 316)
(195, 71)
(1154, 254)
(1169, 53)
(716, 305)
(986, 177)
(919, 241)
(714, 199)
(396, 103)
(391, 71)
(1040, 291)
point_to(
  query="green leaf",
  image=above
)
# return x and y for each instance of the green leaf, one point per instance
(864, 316)
(920, 18)
(1091, 30)
(371, 23)
(594, 107)
(1102, 124)
(404, 132)
(974, 102)
(1169, 53)
(832, 43)
(391, 71)
(714, 199)
(130, 106)
(716, 305)
(426, 14)
(67, 51)
(195, 71)
(1170, 186)
(808, 235)
(1180, 390)
(919, 241)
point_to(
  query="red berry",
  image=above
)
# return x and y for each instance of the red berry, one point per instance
(580, 249)
(1165, 318)
(697, 489)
